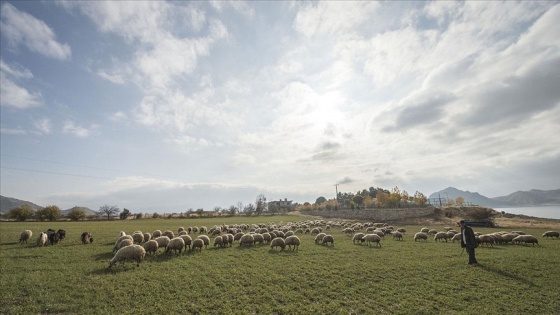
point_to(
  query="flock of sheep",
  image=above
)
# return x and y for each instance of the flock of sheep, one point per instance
(135, 246)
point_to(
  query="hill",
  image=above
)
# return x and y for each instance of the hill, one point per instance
(473, 198)
(8, 203)
(87, 210)
(532, 197)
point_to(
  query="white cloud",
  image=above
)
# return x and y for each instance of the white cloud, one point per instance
(22, 28)
(79, 131)
(118, 116)
(115, 78)
(16, 71)
(44, 125)
(7, 131)
(15, 96)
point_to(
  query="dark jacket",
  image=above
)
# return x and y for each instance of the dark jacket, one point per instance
(469, 235)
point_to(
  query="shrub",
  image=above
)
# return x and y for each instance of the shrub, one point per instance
(481, 214)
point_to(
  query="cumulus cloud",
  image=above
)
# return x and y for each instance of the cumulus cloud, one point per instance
(14, 96)
(44, 126)
(71, 128)
(24, 29)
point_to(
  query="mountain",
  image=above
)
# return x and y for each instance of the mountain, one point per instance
(87, 210)
(533, 197)
(470, 198)
(8, 203)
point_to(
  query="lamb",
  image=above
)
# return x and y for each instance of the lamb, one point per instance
(441, 236)
(319, 238)
(197, 243)
(526, 239)
(551, 234)
(132, 252)
(25, 235)
(151, 246)
(42, 239)
(292, 240)
(372, 238)
(162, 241)
(358, 237)
(187, 239)
(203, 229)
(175, 244)
(398, 236)
(247, 239)
(205, 239)
(420, 236)
(85, 237)
(315, 231)
(278, 242)
(328, 239)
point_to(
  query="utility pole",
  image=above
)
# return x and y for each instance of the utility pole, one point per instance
(336, 196)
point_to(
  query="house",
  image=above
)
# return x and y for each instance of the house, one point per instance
(282, 205)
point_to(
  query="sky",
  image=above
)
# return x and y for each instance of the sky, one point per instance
(162, 106)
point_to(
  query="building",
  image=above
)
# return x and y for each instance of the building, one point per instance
(282, 205)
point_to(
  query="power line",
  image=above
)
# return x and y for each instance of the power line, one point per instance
(57, 173)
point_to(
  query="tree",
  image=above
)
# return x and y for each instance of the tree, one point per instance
(273, 208)
(50, 213)
(249, 209)
(21, 213)
(124, 214)
(320, 200)
(77, 214)
(382, 198)
(232, 210)
(358, 200)
(260, 204)
(420, 199)
(459, 201)
(240, 206)
(109, 211)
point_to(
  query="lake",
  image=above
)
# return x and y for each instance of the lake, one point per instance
(552, 212)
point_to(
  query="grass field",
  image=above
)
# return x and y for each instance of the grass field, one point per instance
(401, 277)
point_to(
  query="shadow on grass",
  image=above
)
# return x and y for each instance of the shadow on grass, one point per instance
(505, 274)
(104, 256)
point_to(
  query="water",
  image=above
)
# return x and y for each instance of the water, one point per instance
(552, 212)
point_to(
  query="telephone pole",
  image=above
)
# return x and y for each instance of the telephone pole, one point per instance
(336, 196)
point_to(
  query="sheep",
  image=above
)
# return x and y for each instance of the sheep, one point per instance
(42, 239)
(299, 231)
(328, 239)
(425, 230)
(225, 239)
(398, 236)
(205, 239)
(292, 240)
(421, 236)
(508, 237)
(124, 237)
(175, 244)
(456, 237)
(202, 229)
(156, 234)
(86, 237)
(151, 246)
(372, 238)
(278, 242)
(138, 238)
(432, 232)
(187, 239)
(348, 231)
(24, 236)
(168, 233)
(441, 236)
(218, 241)
(279, 233)
(315, 231)
(121, 233)
(379, 233)
(162, 241)
(551, 234)
(526, 239)
(197, 243)
(238, 236)
(267, 237)
(319, 238)
(486, 238)
(358, 237)
(289, 233)
(258, 238)
(246, 239)
(132, 252)
(123, 243)
(518, 232)
(147, 237)
(180, 229)
(402, 230)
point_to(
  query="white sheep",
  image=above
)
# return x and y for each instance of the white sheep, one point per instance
(197, 243)
(175, 244)
(205, 239)
(292, 240)
(258, 238)
(327, 239)
(123, 243)
(151, 246)
(372, 238)
(121, 239)
(456, 237)
(441, 236)
(168, 233)
(398, 235)
(121, 233)
(187, 239)
(162, 241)
(147, 236)
(138, 238)
(551, 234)
(42, 239)
(486, 238)
(246, 239)
(420, 236)
(278, 242)
(218, 241)
(156, 234)
(132, 252)
(24, 236)
(527, 239)
(425, 230)
(358, 237)
(319, 238)
(267, 237)
(238, 236)
(180, 229)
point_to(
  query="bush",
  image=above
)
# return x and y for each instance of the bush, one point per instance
(481, 214)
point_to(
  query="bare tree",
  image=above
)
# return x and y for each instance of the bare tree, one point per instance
(260, 204)
(109, 211)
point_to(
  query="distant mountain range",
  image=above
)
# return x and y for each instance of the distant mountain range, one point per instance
(8, 203)
(532, 197)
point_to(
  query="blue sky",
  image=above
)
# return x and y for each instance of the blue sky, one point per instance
(166, 106)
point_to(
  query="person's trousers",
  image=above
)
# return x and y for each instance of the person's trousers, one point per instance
(470, 252)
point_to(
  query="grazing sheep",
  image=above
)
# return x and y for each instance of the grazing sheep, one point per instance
(358, 237)
(162, 241)
(372, 238)
(168, 233)
(258, 238)
(289, 233)
(402, 230)
(527, 239)
(292, 240)
(197, 243)
(456, 237)
(267, 237)
(187, 239)
(147, 237)
(123, 243)
(425, 230)
(432, 232)
(319, 238)
(151, 247)
(327, 239)
(518, 232)
(278, 242)
(42, 239)
(420, 236)
(486, 239)
(156, 234)
(189, 230)
(138, 238)
(205, 239)
(180, 229)
(175, 244)
(379, 233)
(246, 239)
(508, 237)
(348, 231)
(441, 236)
(299, 231)
(315, 231)
(279, 233)
(120, 239)
(132, 252)
(86, 237)
(218, 241)
(225, 239)
(238, 236)
(24, 236)
(398, 236)
(551, 234)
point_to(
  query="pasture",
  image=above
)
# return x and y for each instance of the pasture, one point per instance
(401, 277)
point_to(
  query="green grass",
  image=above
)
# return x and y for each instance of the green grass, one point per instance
(401, 277)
